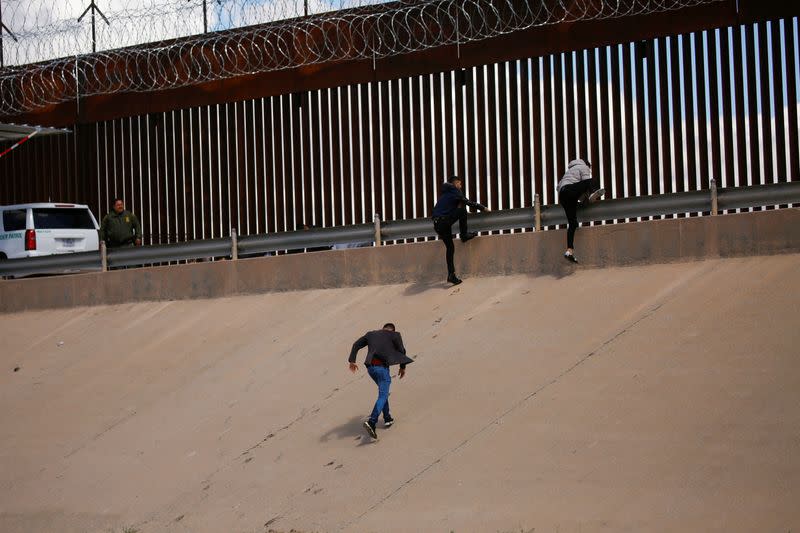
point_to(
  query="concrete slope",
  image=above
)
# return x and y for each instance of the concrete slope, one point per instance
(652, 398)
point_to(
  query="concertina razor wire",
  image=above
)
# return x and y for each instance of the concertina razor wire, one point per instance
(151, 45)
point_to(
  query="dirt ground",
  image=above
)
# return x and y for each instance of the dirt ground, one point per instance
(657, 398)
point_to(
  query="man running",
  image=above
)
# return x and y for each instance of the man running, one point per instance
(452, 206)
(385, 348)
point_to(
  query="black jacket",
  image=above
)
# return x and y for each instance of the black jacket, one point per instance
(384, 345)
(451, 199)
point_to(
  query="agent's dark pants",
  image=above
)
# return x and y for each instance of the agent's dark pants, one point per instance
(568, 198)
(444, 229)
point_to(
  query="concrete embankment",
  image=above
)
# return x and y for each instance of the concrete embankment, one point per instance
(641, 398)
(663, 241)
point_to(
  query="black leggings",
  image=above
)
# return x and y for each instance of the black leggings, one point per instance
(568, 198)
(444, 228)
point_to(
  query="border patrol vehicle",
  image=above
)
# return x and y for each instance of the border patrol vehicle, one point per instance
(33, 230)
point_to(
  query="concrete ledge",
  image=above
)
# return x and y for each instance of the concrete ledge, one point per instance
(683, 239)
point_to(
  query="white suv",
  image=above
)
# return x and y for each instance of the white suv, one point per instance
(32, 230)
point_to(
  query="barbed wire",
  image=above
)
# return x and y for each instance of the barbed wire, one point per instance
(88, 47)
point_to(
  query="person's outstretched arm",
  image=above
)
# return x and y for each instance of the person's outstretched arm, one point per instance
(360, 343)
(398, 344)
(470, 203)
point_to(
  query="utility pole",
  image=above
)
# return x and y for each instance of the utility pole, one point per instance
(93, 8)
(305, 4)
(3, 27)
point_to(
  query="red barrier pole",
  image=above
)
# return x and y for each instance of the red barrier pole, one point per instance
(21, 141)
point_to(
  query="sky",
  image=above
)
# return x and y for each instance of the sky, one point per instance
(48, 29)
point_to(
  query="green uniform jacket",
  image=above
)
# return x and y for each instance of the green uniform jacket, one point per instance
(120, 229)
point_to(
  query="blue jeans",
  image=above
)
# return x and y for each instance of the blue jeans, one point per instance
(380, 375)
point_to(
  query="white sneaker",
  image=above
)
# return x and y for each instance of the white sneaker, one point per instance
(595, 196)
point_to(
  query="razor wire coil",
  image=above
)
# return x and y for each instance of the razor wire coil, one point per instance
(150, 45)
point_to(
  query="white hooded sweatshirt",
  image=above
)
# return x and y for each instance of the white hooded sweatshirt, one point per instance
(577, 171)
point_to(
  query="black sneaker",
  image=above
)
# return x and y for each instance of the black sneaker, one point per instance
(388, 423)
(370, 427)
(468, 235)
(570, 257)
(452, 278)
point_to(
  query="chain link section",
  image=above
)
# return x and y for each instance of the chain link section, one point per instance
(150, 45)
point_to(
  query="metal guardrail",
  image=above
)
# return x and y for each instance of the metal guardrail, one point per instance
(313, 238)
(551, 215)
(163, 253)
(49, 264)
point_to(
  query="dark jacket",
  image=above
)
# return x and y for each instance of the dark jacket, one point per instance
(451, 199)
(384, 345)
(120, 229)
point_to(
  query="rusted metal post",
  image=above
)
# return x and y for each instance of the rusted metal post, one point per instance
(714, 208)
(537, 209)
(234, 245)
(377, 220)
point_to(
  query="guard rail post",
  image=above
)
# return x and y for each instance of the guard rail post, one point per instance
(234, 245)
(714, 210)
(103, 257)
(537, 209)
(377, 220)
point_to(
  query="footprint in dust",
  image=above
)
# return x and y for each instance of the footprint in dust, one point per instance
(331, 463)
(179, 518)
(318, 491)
(526, 292)
(248, 459)
(338, 467)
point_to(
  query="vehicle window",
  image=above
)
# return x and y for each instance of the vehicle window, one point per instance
(62, 218)
(14, 220)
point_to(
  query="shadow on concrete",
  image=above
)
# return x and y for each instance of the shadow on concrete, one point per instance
(564, 269)
(352, 429)
(559, 270)
(422, 286)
